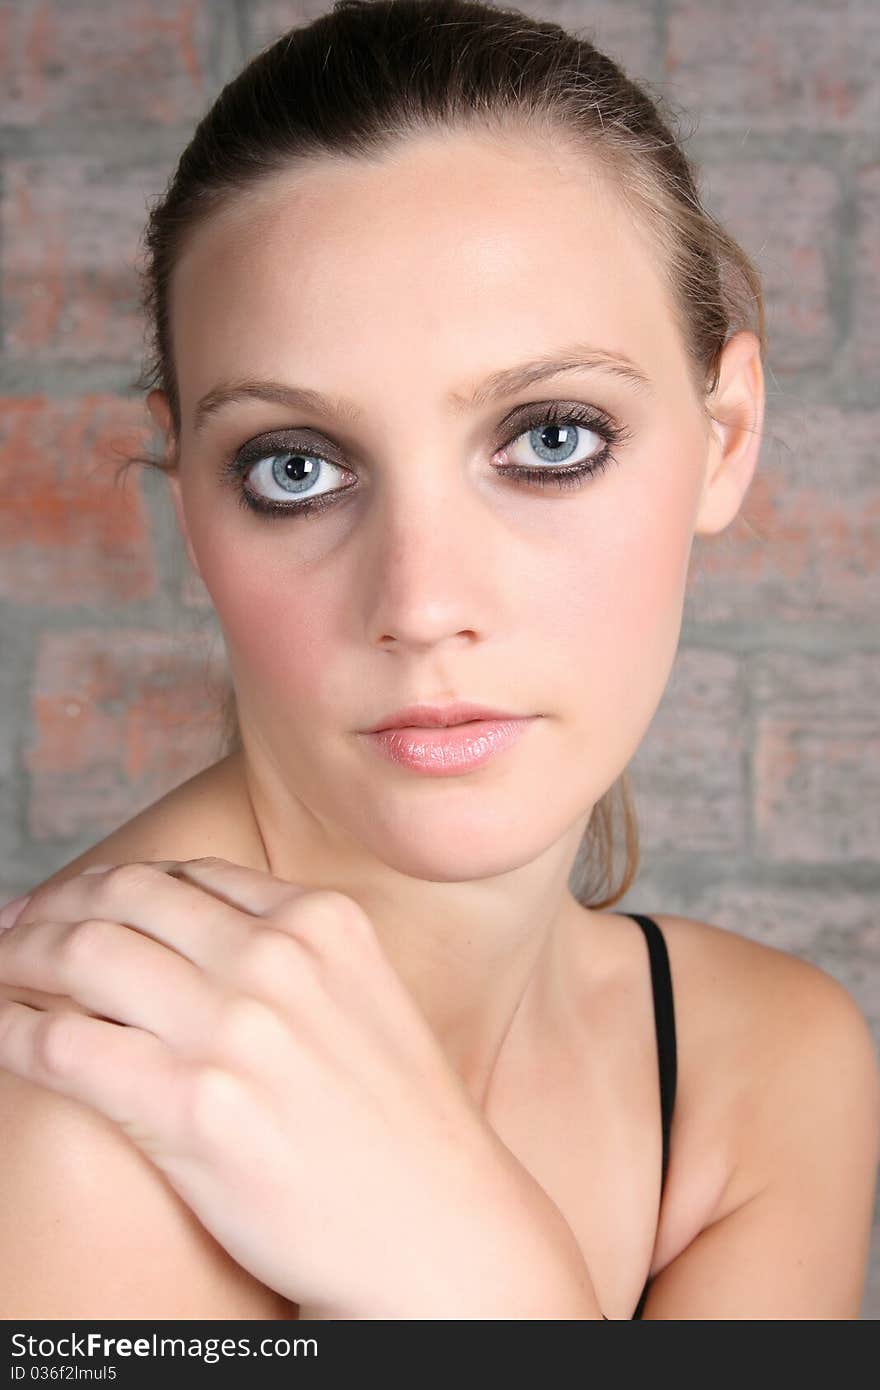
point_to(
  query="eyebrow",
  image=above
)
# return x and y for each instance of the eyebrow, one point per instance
(505, 382)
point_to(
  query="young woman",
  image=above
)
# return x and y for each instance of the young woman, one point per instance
(451, 366)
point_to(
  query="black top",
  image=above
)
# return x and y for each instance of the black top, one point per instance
(664, 1023)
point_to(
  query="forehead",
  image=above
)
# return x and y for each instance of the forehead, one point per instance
(451, 257)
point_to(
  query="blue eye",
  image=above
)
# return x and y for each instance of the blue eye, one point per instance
(554, 431)
(301, 475)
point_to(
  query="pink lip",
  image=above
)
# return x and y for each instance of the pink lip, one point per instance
(448, 752)
(439, 716)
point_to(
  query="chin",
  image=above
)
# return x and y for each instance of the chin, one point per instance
(455, 857)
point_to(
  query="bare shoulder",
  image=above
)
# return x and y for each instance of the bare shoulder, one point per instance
(75, 1187)
(73, 1183)
(781, 1076)
(759, 1029)
(207, 815)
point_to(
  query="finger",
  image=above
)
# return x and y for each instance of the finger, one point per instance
(266, 896)
(165, 906)
(166, 864)
(21, 994)
(115, 973)
(118, 893)
(251, 890)
(127, 1075)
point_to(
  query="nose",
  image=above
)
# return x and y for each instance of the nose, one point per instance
(430, 571)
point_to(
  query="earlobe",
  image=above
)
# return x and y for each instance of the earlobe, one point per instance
(734, 441)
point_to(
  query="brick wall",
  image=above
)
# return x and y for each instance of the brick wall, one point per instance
(758, 785)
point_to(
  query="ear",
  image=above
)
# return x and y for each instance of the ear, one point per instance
(737, 409)
(157, 404)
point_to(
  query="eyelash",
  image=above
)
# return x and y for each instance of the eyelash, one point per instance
(235, 469)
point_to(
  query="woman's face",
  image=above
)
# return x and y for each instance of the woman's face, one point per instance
(432, 576)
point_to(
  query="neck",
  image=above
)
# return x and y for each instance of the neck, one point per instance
(480, 958)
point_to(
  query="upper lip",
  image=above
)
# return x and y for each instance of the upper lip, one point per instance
(439, 716)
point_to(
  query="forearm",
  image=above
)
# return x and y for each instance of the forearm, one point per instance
(561, 1291)
(529, 1267)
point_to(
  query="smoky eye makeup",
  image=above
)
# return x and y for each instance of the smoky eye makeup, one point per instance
(303, 465)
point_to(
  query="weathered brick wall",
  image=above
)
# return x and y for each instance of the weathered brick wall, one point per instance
(758, 785)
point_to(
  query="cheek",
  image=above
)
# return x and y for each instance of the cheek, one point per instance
(614, 608)
(279, 624)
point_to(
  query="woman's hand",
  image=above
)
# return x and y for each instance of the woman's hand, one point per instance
(272, 1064)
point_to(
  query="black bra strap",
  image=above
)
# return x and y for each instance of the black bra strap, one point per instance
(664, 1023)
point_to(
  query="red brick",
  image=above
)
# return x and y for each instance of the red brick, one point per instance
(786, 216)
(119, 718)
(69, 533)
(97, 60)
(266, 20)
(866, 272)
(817, 757)
(625, 32)
(688, 771)
(793, 65)
(70, 230)
(806, 543)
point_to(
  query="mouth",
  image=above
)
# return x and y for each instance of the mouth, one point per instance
(450, 749)
(442, 716)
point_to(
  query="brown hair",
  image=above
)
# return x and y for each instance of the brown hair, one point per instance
(364, 76)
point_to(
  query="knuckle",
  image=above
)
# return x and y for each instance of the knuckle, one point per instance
(85, 940)
(246, 1027)
(266, 956)
(218, 1101)
(327, 918)
(129, 878)
(55, 1043)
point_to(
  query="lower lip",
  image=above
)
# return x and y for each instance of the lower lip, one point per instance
(448, 752)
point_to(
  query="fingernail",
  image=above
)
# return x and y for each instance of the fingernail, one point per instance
(11, 911)
(97, 868)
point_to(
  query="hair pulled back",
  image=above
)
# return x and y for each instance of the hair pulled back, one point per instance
(367, 75)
